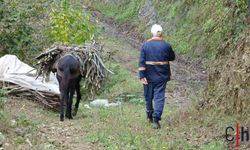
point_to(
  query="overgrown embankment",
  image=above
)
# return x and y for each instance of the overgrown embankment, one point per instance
(193, 27)
(229, 79)
(213, 33)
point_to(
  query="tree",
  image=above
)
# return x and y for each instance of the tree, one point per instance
(69, 24)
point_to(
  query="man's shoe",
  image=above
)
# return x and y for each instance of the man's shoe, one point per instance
(156, 124)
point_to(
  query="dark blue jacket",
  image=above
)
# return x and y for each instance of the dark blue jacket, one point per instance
(156, 50)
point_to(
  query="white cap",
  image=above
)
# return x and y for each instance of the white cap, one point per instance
(156, 29)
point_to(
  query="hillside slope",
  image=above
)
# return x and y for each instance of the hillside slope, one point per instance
(211, 34)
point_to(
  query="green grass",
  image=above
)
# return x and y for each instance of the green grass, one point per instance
(125, 59)
(120, 83)
(23, 121)
(125, 127)
(4, 116)
(128, 128)
(119, 11)
(197, 27)
(4, 121)
(215, 145)
(2, 98)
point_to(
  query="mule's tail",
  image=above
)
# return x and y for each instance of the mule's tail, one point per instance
(66, 78)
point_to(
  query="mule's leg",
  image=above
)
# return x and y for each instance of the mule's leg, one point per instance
(64, 96)
(78, 94)
(70, 101)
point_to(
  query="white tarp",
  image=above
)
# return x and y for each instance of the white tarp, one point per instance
(15, 71)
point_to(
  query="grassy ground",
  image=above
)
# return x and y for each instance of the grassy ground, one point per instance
(126, 128)
(194, 28)
(122, 127)
(123, 63)
(121, 11)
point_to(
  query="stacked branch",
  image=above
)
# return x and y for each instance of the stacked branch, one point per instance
(92, 67)
(50, 100)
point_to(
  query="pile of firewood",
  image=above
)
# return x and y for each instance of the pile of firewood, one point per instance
(48, 99)
(92, 68)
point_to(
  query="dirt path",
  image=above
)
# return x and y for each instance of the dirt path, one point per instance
(66, 135)
(189, 77)
(188, 82)
(49, 132)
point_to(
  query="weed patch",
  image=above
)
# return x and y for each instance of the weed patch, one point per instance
(120, 11)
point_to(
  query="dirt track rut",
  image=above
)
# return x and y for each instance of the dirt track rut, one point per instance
(189, 77)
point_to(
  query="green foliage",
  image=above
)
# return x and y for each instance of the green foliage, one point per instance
(19, 140)
(214, 145)
(2, 98)
(22, 120)
(129, 11)
(4, 121)
(15, 35)
(125, 127)
(20, 23)
(120, 83)
(26, 30)
(199, 27)
(196, 28)
(119, 10)
(69, 24)
(137, 100)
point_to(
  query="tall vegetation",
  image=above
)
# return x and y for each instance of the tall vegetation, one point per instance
(27, 27)
(194, 27)
(20, 24)
(69, 24)
(120, 10)
(199, 27)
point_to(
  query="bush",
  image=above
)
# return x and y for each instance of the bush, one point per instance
(26, 28)
(69, 25)
(20, 23)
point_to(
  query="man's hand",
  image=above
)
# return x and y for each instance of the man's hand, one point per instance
(144, 81)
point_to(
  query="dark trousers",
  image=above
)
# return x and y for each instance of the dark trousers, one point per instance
(154, 91)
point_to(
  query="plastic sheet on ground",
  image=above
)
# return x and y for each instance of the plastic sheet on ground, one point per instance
(15, 71)
(104, 102)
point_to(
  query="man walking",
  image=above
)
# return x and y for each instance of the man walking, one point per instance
(154, 72)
